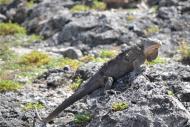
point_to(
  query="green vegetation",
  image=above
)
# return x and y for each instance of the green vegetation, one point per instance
(97, 5)
(74, 64)
(158, 60)
(19, 40)
(82, 118)
(108, 53)
(32, 106)
(154, 9)
(170, 93)
(31, 65)
(151, 30)
(6, 54)
(79, 8)
(9, 85)
(184, 49)
(5, 1)
(35, 58)
(131, 17)
(87, 58)
(76, 84)
(119, 106)
(11, 29)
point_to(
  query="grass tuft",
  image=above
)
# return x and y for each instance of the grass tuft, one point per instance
(11, 29)
(76, 84)
(35, 58)
(98, 5)
(9, 85)
(158, 60)
(32, 106)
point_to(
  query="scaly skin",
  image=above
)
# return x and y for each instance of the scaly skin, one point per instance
(125, 62)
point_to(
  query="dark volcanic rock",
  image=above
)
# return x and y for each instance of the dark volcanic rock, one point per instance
(47, 18)
(55, 77)
(149, 102)
(72, 53)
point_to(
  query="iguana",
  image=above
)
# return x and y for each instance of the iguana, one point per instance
(127, 61)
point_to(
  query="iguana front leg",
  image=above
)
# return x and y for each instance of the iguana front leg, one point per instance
(108, 83)
(137, 68)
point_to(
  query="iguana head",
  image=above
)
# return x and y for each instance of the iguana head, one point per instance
(151, 47)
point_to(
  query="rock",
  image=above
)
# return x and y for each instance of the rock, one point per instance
(149, 105)
(167, 12)
(51, 22)
(55, 77)
(16, 11)
(95, 28)
(168, 3)
(55, 23)
(2, 17)
(72, 53)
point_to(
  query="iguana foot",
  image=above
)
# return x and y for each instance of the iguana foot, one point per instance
(37, 117)
(108, 84)
(41, 125)
(111, 92)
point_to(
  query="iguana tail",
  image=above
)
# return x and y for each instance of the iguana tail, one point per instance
(88, 88)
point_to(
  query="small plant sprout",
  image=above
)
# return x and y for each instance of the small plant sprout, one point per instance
(119, 106)
(82, 118)
(76, 84)
(170, 93)
(32, 106)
